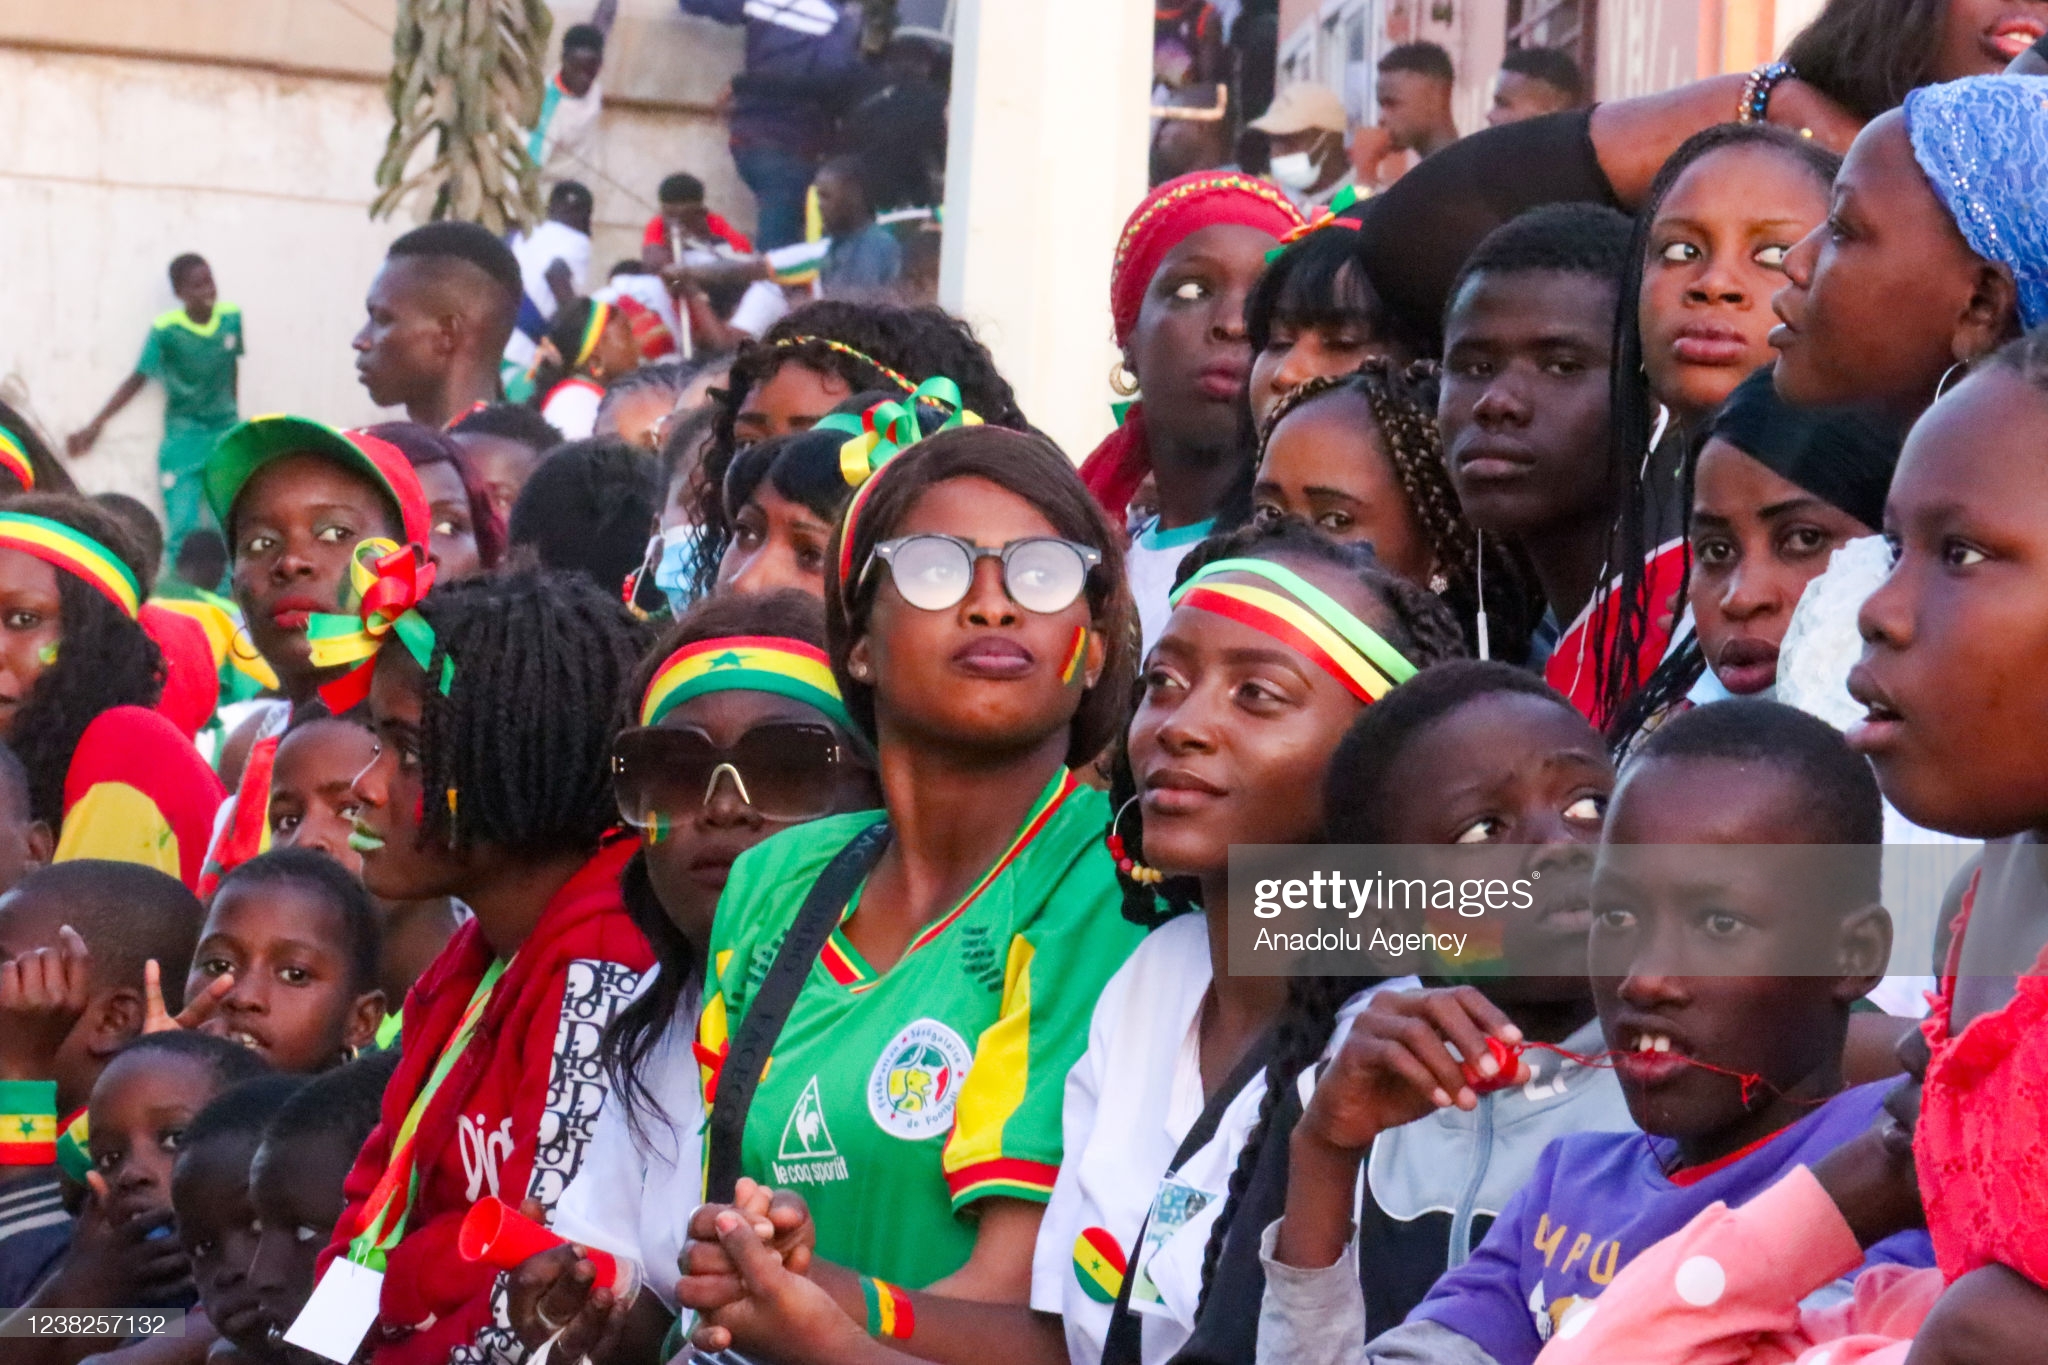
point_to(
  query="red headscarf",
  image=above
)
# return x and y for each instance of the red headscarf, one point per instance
(1166, 218)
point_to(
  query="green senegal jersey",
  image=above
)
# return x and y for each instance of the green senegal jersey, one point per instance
(196, 366)
(893, 1101)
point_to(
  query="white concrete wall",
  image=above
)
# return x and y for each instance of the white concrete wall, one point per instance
(255, 146)
(1046, 161)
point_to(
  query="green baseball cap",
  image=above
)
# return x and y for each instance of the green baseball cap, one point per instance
(255, 443)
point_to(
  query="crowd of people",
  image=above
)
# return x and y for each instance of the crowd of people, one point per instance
(773, 846)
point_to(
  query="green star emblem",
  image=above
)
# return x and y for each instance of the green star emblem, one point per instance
(732, 658)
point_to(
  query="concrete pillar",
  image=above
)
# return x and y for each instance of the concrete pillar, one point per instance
(1050, 119)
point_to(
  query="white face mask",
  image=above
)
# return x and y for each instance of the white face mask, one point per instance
(1296, 171)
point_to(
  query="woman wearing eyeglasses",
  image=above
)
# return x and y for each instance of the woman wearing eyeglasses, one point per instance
(982, 634)
(736, 731)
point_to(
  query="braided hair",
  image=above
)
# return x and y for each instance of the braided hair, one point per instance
(522, 742)
(1633, 411)
(866, 346)
(637, 1030)
(104, 659)
(1425, 633)
(1403, 402)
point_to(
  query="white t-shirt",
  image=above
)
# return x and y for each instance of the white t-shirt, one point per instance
(535, 251)
(1149, 567)
(571, 408)
(1130, 1102)
(633, 1195)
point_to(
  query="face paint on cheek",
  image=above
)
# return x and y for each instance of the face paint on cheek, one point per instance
(47, 655)
(658, 830)
(1075, 655)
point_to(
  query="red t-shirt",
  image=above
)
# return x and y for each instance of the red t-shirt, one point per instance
(1573, 668)
(657, 233)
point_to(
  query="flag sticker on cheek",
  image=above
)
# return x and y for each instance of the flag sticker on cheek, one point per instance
(1075, 655)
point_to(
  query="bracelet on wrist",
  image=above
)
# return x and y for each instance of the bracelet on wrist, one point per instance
(890, 1315)
(1755, 103)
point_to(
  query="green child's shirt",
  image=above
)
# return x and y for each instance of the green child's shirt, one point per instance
(196, 365)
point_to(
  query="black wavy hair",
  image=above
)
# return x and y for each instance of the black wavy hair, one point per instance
(230, 1063)
(1554, 66)
(1840, 800)
(1403, 404)
(240, 1112)
(915, 342)
(1321, 281)
(669, 376)
(1361, 781)
(802, 467)
(523, 740)
(344, 893)
(1422, 629)
(587, 508)
(637, 1030)
(51, 475)
(343, 1104)
(1034, 469)
(1866, 54)
(1632, 421)
(145, 532)
(105, 659)
(126, 913)
(511, 422)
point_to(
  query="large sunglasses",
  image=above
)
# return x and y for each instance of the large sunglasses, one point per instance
(786, 770)
(1042, 574)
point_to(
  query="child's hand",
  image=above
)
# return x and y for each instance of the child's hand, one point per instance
(1394, 1067)
(779, 1218)
(1871, 1177)
(122, 1262)
(157, 1019)
(553, 1292)
(776, 1310)
(1988, 1317)
(43, 994)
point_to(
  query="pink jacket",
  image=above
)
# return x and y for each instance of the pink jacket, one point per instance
(1726, 1291)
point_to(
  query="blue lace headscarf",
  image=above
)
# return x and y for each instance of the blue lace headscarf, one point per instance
(1983, 142)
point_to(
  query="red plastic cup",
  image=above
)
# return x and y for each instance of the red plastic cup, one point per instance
(499, 1235)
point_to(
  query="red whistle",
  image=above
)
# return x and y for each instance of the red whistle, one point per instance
(1508, 1056)
(499, 1235)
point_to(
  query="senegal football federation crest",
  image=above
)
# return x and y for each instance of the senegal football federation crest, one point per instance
(916, 1081)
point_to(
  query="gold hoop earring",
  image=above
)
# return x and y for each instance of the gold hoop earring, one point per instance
(1122, 382)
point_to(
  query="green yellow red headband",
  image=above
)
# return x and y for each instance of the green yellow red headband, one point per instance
(878, 436)
(74, 552)
(388, 581)
(746, 663)
(14, 460)
(900, 381)
(1306, 620)
(593, 330)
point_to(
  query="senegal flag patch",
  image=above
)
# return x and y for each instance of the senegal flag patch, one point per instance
(1099, 1265)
